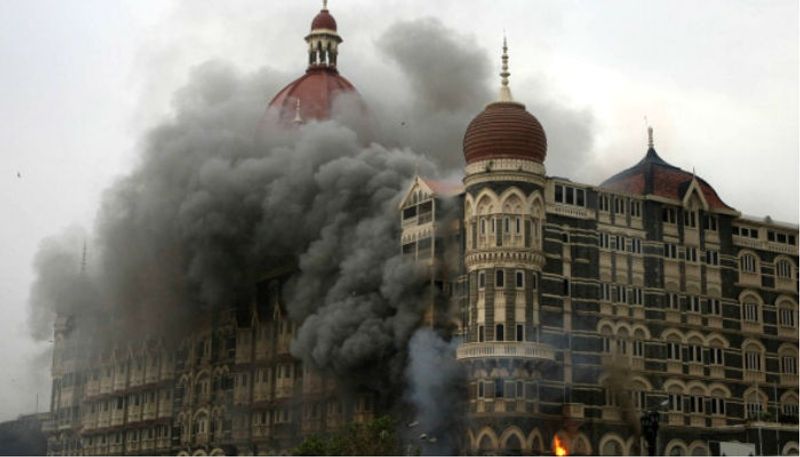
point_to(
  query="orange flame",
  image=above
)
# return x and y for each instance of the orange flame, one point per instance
(558, 447)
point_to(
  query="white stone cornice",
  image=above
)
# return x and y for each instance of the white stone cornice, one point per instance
(503, 258)
(504, 170)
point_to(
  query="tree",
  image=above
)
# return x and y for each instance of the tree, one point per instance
(376, 437)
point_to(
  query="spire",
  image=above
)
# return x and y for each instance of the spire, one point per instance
(650, 137)
(323, 40)
(505, 91)
(297, 118)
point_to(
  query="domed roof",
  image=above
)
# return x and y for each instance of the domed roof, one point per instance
(505, 130)
(315, 91)
(654, 176)
(323, 20)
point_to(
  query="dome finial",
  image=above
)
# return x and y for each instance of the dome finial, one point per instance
(297, 118)
(650, 137)
(505, 91)
(324, 4)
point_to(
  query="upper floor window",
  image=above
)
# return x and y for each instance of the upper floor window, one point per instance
(712, 257)
(602, 202)
(670, 251)
(752, 360)
(715, 356)
(669, 216)
(500, 279)
(694, 304)
(778, 237)
(635, 246)
(603, 240)
(674, 351)
(673, 301)
(636, 208)
(689, 218)
(691, 254)
(747, 263)
(619, 205)
(714, 307)
(786, 316)
(519, 277)
(751, 312)
(570, 195)
(748, 232)
(710, 223)
(499, 332)
(783, 269)
(789, 364)
(481, 279)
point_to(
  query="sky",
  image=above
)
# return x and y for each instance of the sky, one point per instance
(82, 80)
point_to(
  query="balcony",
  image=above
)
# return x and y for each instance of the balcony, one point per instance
(514, 349)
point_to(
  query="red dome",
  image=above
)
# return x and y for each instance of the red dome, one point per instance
(323, 20)
(316, 91)
(505, 130)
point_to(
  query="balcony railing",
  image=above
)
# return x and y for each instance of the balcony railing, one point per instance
(516, 349)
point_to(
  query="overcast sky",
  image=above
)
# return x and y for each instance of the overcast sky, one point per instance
(82, 80)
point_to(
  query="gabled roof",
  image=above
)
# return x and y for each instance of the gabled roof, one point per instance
(432, 187)
(654, 176)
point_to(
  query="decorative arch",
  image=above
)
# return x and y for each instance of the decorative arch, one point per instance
(791, 267)
(217, 451)
(199, 452)
(581, 445)
(535, 441)
(512, 200)
(697, 388)
(695, 337)
(672, 334)
(791, 448)
(486, 202)
(719, 389)
(640, 331)
(756, 261)
(699, 448)
(674, 385)
(612, 444)
(717, 340)
(487, 440)
(182, 453)
(513, 440)
(676, 447)
(750, 294)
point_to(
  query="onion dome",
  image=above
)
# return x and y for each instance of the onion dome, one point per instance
(505, 129)
(654, 176)
(311, 96)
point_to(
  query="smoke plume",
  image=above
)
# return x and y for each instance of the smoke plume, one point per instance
(219, 196)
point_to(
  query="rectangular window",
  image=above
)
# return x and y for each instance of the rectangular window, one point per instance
(673, 301)
(636, 208)
(694, 304)
(691, 254)
(520, 332)
(559, 193)
(668, 216)
(570, 194)
(636, 245)
(674, 351)
(710, 223)
(714, 307)
(602, 203)
(675, 402)
(670, 251)
(696, 354)
(638, 348)
(533, 282)
(605, 293)
(499, 332)
(480, 389)
(481, 279)
(619, 205)
(689, 218)
(712, 257)
(715, 356)
(499, 279)
(603, 240)
(636, 296)
(580, 197)
(498, 388)
(519, 279)
(481, 337)
(748, 263)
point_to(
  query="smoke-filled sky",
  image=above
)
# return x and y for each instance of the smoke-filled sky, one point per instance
(82, 81)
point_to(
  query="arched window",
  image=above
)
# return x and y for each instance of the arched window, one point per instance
(748, 263)
(789, 409)
(751, 309)
(787, 356)
(612, 447)
(716, 407)
(783, 269)
(499, 332)
(754, 403)
(753, 357)
(787, 314)
(638, 343)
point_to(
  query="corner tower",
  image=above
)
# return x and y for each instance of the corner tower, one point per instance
(504, 211)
